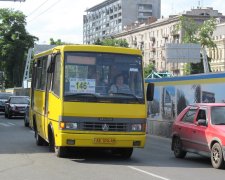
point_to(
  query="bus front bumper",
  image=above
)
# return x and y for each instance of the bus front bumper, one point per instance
(101, 140)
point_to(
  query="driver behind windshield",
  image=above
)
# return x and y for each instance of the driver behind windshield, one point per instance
(119, 86)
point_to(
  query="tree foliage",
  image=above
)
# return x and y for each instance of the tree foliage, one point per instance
(112, 42)
(57, 42)
(205, 33)
(14, 44)
(148, 69)
(197, 33)
(190, 28)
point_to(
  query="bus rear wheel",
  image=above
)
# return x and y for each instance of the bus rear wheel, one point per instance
(39, 140)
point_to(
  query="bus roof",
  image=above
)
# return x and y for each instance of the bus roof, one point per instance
(91, 48)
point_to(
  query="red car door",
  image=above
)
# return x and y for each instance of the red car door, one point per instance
(185, 128)
(199, 137)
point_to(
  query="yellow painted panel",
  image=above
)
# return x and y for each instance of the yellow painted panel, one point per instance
(39, 102)
(186, 82)
(54, 107)
(85, 109)
(87, 140)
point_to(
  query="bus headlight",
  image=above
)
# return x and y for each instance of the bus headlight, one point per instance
(136, 127)
(71, 126)
(68, 125)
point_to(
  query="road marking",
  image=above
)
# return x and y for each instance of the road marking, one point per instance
(151, 174)
(11, 124)
(31, 131)
(4, 124)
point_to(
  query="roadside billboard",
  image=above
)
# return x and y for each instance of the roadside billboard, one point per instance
(173, 94)
(183, 53)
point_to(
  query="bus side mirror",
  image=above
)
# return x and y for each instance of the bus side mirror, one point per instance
(51, 63)
(150, 92)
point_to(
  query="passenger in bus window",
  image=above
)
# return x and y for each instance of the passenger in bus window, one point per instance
(119, 86)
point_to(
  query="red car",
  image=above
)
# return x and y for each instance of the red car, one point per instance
(200, 128)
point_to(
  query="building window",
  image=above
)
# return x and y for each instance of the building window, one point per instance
(145, 6)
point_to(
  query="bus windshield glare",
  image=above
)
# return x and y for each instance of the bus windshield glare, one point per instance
(103, 77)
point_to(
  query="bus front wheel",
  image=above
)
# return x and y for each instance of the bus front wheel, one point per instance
(60, 151)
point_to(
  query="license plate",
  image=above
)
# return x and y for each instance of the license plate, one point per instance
(104, 140)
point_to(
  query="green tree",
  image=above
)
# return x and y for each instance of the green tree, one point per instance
(112, 42)
(205, 32)
(197, 33)
(190, 29)
(14, 44)
(148, 69)
(57, 42)
(98, 42)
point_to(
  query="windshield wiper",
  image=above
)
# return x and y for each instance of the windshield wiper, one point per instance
(80, 95)
(126, 94)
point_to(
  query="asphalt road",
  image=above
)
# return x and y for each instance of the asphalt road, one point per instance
(21, 159)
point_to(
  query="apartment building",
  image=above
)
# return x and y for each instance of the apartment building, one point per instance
(111, 17)
(218, 54)
(152, 37)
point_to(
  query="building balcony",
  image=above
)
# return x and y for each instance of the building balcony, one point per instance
(162, 47)
(152, 49)
(175, 32)
(165, 35)
(152, 39)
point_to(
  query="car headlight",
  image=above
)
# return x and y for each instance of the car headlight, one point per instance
(13, 107)
(68, 125)
(136, 127)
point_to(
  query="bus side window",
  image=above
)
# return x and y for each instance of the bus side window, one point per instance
(56, 76)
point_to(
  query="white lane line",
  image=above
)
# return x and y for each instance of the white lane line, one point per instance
(11, 124)
(151, 174)
(4, 124)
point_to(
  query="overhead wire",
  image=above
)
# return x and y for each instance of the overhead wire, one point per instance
(20, 5)
(45, 11)
(37, 8)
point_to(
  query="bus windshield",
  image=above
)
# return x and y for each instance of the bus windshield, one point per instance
(103, 77)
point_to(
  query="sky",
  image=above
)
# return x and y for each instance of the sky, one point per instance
(63, 19)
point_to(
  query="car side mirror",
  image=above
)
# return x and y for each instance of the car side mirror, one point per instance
(202, 122)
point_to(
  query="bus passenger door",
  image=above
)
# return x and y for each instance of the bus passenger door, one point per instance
(48, 87)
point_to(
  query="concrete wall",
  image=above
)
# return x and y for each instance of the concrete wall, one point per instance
(172, 95)
(19, 91)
